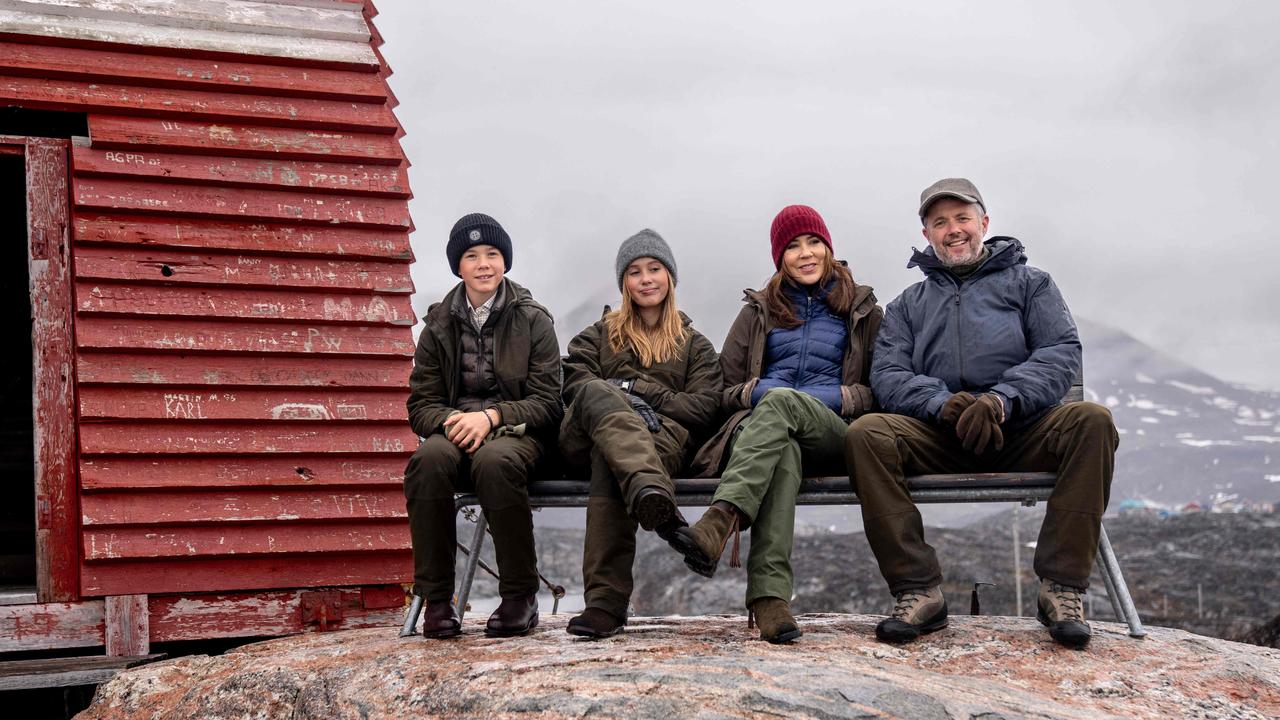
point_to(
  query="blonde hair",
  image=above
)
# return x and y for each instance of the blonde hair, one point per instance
(651, 344)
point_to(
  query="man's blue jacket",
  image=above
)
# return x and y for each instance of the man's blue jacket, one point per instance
(1005, 328)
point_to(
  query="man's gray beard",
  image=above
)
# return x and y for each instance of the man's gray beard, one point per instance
(982, 255)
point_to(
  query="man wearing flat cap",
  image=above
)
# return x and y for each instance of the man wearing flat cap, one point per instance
(971, 365)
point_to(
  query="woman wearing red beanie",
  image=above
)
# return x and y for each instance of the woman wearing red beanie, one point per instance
(796, 366)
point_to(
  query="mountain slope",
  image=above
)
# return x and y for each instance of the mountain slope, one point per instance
(1185, 434)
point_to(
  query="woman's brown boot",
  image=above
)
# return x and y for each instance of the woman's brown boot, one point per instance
(774, 618)
(703, 543)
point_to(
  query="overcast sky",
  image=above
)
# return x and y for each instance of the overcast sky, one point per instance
(1131, 146)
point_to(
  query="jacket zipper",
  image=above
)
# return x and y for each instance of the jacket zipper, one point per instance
(960, 337)
(804, 343)
(497, 379)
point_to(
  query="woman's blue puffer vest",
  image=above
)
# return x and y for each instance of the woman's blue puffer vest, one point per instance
(809, 357)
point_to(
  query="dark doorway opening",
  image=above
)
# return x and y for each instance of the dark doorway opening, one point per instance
(17, 460)
(42, 123)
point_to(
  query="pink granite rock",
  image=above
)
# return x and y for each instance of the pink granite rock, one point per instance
(711, 667)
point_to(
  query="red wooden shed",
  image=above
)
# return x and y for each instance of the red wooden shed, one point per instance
(211, 438)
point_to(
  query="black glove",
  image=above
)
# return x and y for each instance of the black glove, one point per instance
(646, 413)
(625, 385)
(979, 425)
(954, 406)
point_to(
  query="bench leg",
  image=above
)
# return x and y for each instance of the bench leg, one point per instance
(1113, 595)
(1117, 590)
(469, 573)
(411, 617)
(473, 560)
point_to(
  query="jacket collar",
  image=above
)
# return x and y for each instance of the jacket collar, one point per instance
(513, 295)
(1005, 253)
(460, 306)
(864, 301)
(685, 320)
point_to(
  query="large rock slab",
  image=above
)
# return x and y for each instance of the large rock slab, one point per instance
(711, 667)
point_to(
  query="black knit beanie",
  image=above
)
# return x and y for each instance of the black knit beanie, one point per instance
(477, 229)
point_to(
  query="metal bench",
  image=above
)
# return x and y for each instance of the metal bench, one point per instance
(1024, 488)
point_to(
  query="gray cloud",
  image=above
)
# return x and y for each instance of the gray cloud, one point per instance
(1131, 146)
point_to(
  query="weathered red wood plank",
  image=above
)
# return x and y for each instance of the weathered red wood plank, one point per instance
(282, 437)
(128, 632)
(222, 235)
(350, 178)
(220, 540)
(205, 616)
(188, 403)
(232, 370)
(146, 69)
(53, 364)
(266, 205)
(227, 574)
(227, 507)
(145, 134)
(231, 303)
(240, 471)
(184, 336)
(199, 105)
(147, 265)
(51, 625)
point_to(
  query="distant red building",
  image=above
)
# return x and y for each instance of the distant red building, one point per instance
(214, 201)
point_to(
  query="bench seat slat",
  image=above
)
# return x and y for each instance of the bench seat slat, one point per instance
(812, 487)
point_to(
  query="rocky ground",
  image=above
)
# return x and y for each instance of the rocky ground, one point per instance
(711, 667)
(1212, 574)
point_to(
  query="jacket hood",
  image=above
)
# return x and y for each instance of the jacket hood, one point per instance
(1005, 252)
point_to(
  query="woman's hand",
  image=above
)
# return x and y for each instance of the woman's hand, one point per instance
(468, 430)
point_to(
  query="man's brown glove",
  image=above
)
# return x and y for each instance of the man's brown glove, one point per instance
(954, 406)
(979, 425)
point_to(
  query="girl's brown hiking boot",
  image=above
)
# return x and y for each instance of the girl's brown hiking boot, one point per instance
(595, 623)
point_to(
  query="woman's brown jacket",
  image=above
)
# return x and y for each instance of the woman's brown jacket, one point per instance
(742, 362)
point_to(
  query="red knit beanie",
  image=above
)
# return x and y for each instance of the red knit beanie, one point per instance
(792, 222)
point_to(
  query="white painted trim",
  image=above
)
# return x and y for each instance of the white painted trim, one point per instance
(237, 16)
(130, 33)
(327, 4)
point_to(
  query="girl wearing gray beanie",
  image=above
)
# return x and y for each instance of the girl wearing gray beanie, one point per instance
(642, 389)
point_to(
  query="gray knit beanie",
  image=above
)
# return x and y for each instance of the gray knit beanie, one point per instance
(645, 243)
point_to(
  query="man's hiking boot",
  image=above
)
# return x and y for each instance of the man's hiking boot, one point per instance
(440, 620)
(595, 623)
(916, 613)
(773, 616)
(703, 543)
(1061, 609)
